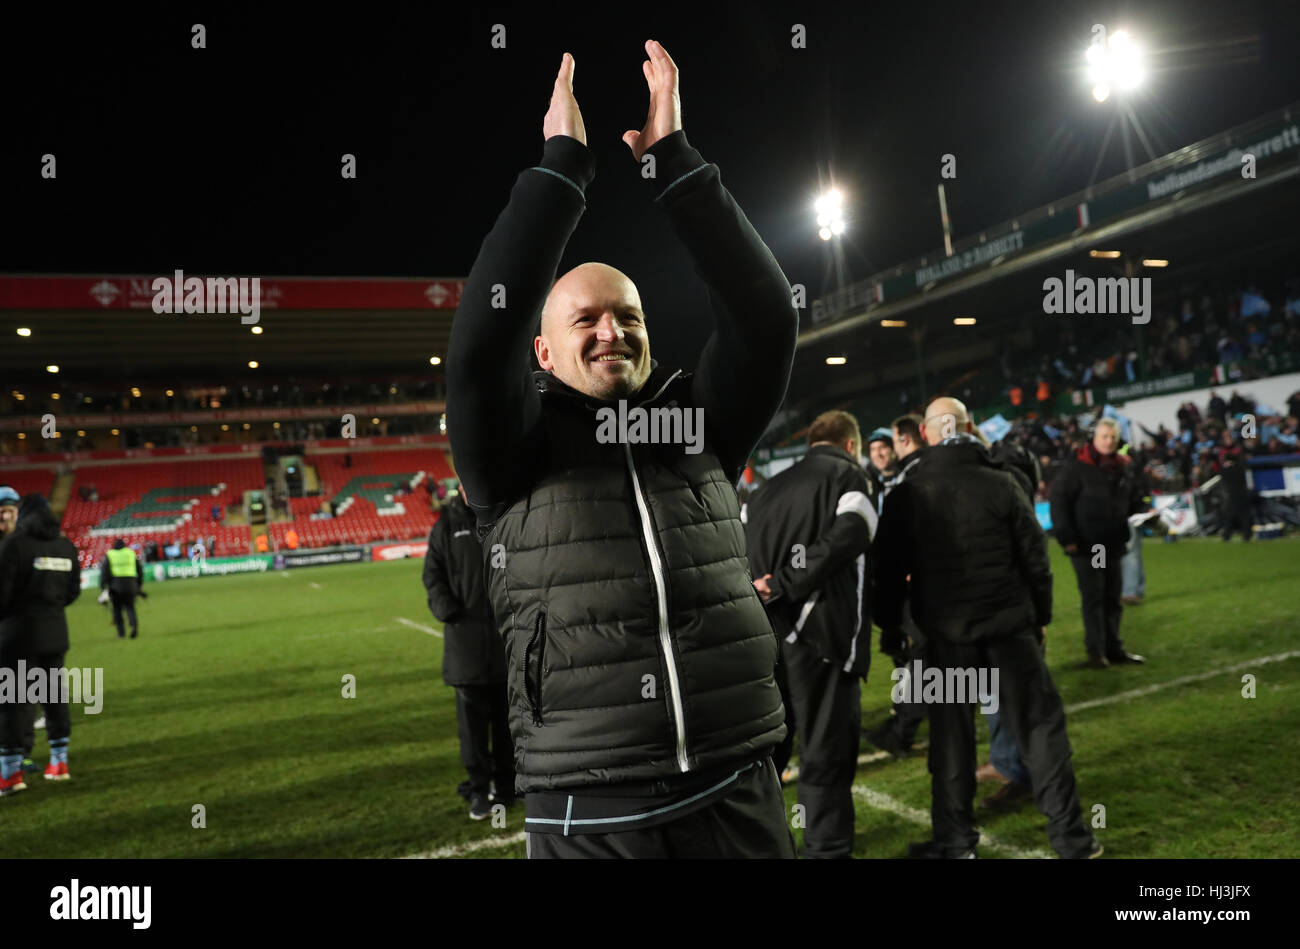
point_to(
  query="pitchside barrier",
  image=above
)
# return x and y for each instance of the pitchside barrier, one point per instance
(261, 563)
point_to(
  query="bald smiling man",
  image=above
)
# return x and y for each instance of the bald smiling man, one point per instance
(643, 705)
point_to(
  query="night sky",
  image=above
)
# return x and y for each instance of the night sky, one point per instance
(226, 160)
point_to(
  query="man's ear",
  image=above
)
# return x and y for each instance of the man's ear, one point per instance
(543, 353)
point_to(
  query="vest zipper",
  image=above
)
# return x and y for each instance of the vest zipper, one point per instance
(534, 693)
(661, 595)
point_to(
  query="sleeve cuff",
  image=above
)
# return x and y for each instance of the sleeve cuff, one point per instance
(675, 162)
(569, 159)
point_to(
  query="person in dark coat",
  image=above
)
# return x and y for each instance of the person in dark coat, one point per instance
(808, 531)
(968, 552)
(473, 660)
(1235, 510)
(1092, 498)
(9, 502)
(39, 576)
(904, 644)
(644, 705)
(122, 576)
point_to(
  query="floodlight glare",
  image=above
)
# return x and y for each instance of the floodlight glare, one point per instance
(830, 214)
(1117, 63)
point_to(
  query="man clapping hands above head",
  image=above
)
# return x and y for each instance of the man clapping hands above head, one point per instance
(642, 702)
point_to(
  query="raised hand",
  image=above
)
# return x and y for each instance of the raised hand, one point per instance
(564, 117)
(665, 101)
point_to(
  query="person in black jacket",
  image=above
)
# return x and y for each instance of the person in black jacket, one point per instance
(9, 502)
(904, 644)
(473, 659)
(643, 703)
(809, 533)
(39, 577)
(980, 585)
(1235, 510)
(1092, 498)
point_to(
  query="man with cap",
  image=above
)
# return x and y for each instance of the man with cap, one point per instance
(121, 575)
(8, 511)
(39, 577)
(880, 452)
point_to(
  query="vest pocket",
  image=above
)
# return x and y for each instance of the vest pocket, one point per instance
(533, 683)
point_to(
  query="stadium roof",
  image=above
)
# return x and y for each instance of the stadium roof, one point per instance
(104, 328)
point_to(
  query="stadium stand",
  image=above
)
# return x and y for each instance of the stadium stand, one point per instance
(159, 501)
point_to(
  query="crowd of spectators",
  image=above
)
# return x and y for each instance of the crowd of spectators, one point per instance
(1238, 328)
(1177, 459)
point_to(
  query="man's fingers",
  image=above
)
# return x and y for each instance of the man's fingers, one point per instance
(629, 139)
(649, 72)
(565, 75)
(663, 63)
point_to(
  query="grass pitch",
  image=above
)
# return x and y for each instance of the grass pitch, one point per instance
(232, 698)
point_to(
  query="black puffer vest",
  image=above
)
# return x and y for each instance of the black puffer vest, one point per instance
(636, 645)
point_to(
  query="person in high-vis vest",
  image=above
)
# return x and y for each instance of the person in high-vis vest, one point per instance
(121, 575)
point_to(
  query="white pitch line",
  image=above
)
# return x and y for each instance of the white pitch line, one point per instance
(458, 850)
(315, 586)
(420, 626)
(1182, 680)
(886, 803)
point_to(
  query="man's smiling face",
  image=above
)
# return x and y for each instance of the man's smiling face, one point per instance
(593, 334)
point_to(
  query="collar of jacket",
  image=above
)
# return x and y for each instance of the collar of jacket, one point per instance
(834, 451)
(960, 452)
(905, 463)
(655, 386)
(1089, 455)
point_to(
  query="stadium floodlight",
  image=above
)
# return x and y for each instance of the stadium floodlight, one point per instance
(51, 368)
(435, 360)
(893, 323)
(1105, 254)
(24, 331)
(112, 431)
(835, 360)
(964, 321)
(830, 214)
(252, 364)
(170, 393)
(81, 433)
(55, 396)
(257, 331)
(1117, 62)
(1154, 262)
